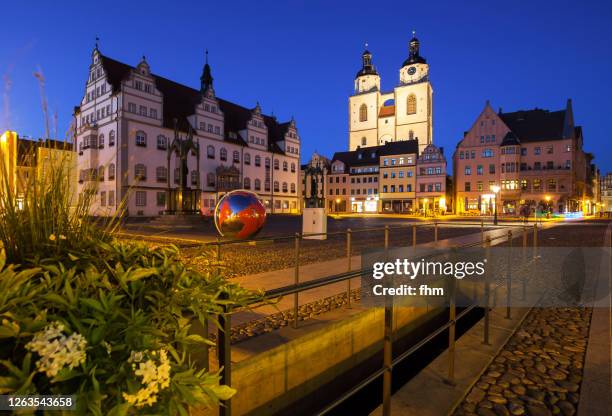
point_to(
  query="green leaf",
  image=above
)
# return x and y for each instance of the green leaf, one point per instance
(92, 303)
(223, 392)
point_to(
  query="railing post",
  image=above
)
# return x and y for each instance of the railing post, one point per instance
(296, 281)
(414, 235)
(482, 239)
(451, 332)
(387, 356)
(509, 277)
(535, 240)
(524, 255)
(349, 234)
(435, 231)
(487, 291)
(386, 237)
(224, 355)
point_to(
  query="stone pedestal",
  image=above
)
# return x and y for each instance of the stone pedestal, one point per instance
(314, 220)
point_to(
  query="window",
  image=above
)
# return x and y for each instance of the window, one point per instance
(293, 167)
(210, 151)
(537, 150)
(141, 138)
(524, 184)
(141, 198)
(223, 154)
(523, 151)
(161, 174)
(479, 170)
(284, 186)
(568, 147)
(276, 164)
(210, 179)
(101, 173)
(162, 142)
(293, 188)
(147, 88)
(276, 187)
(217, 130)
(111, 171)
(479, 186)
(111, 198)
(161, 199)
(247, 158)
(153, 113)
(384, 189)
(549, 150)
(257, 160)
(236, 156)
(131, 107)
(140, 172)
(363, 113)
(468, 170)
(537, 166)
(411, 105)
(460, 155)
(257, 184)
(111, 138)
(491, 168)
(568, 164)
(551, 184)
(143, 110)
(285, 166)
(101, 141)
(267, 185)
(364, 141)
(487, 153)
(537, 184)
(468, 187)
(103, 199)
(411, 135)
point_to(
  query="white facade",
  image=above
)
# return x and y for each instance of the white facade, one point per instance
(403, 114)
(127, 119)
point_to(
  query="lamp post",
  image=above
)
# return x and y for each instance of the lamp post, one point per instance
(495, 189)
(425, 202)
(547, 198)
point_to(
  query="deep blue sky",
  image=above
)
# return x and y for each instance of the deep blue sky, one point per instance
(299, 57)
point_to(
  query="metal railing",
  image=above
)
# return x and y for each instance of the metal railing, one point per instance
(224, 330)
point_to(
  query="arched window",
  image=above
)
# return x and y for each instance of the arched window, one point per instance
(141, 138)
(223, 154)
(162, 142)
(210, 179)
(284, 186)
(292, 167)
(101, 141)
(236, 156)
(364, 141)
(363, 113)
(210, 151)
(101, 173)
(161, 173)
(140, 172)
(111, 171)
(411, 135)
(247, 183)
(276, 164)
(276, 188)
(257, 160)
(177, 175)
(247, 158)
(111, 138)
(285, 166)
(195, 177)
(411, 104)
(292, 188)
(257, 184)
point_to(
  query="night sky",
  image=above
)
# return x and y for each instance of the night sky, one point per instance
(299, 58)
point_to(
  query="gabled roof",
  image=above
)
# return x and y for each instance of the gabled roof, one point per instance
(510, 139)
(536, 125)
(371, 155)
(180, 102)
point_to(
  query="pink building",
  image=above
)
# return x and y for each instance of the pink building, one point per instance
(536, 157)
(431, 180)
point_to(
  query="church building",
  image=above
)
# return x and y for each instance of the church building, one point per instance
(377, 117)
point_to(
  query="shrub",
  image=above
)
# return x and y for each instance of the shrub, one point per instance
(111, 322)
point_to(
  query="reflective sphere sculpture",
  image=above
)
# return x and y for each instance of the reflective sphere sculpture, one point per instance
(239, 214)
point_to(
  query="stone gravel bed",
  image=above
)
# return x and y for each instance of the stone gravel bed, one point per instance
(539, 370)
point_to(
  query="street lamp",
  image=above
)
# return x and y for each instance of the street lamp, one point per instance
(495, 189)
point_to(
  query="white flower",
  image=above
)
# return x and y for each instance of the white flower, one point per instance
(154, 377)
(57, 351)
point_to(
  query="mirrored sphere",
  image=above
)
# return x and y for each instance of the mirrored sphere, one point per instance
(240, 214)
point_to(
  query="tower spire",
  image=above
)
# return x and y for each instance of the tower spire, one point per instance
(206, 80)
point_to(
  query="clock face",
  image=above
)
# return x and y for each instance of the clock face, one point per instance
(411, 70)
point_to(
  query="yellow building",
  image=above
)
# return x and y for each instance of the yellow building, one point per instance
(25, 159)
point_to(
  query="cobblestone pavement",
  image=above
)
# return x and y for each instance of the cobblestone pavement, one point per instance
(539, 370)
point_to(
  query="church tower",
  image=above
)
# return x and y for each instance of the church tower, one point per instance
(413, 98)
(363, 105)
(405, 113)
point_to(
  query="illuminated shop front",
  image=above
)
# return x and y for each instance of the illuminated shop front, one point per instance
(368, 205)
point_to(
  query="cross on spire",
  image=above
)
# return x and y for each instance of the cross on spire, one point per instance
(206, 55)
(97, 41)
